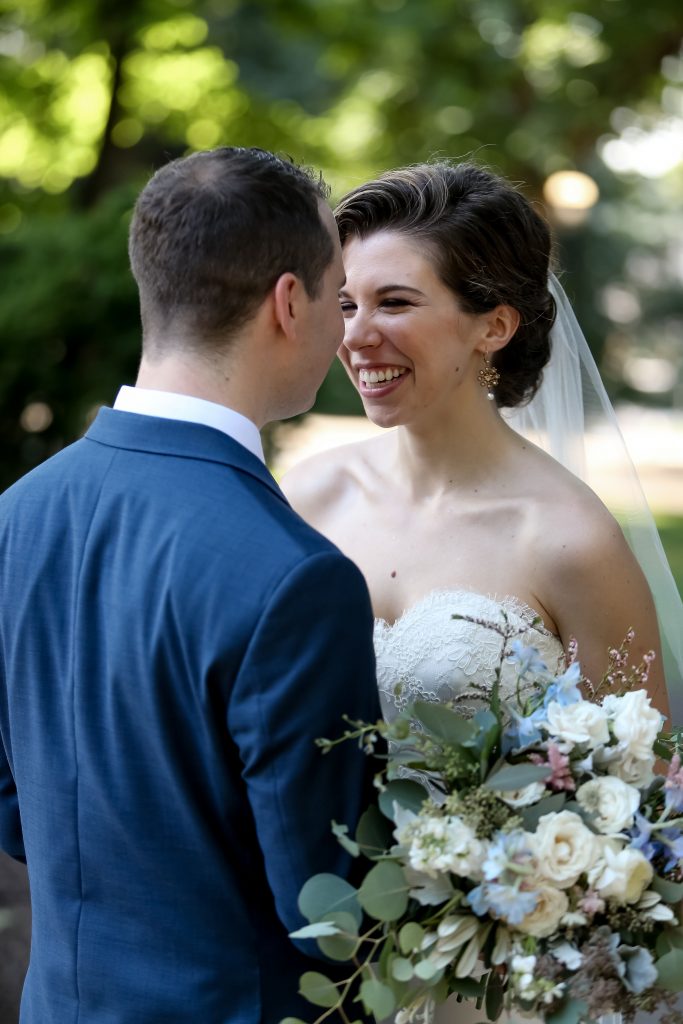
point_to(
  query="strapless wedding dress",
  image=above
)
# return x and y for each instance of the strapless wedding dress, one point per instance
(428, 655)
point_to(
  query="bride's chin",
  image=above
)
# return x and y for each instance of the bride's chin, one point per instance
(383, 417)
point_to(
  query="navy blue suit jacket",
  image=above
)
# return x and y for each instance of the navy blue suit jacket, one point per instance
(173, 638)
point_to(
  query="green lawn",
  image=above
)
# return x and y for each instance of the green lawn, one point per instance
(671, 531)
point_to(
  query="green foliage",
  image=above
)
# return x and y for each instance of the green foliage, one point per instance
(69, 327)
(96, 96)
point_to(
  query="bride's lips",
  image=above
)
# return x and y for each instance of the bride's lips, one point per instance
(380, 388)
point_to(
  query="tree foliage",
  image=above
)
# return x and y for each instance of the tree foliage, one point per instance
(96, 95)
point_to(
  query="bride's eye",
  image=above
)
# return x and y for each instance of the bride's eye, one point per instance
(346, 307)
(395, 303)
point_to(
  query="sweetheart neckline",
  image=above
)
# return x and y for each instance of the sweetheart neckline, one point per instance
(508, 601)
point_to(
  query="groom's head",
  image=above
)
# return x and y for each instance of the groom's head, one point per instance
(211, 235)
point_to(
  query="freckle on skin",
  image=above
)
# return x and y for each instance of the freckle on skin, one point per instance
(393, 574)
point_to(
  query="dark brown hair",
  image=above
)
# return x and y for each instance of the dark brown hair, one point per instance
(211, 234)
(489, 246)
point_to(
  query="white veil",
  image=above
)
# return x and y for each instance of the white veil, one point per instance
(571, 397)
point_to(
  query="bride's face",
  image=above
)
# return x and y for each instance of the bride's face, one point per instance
(407, 343)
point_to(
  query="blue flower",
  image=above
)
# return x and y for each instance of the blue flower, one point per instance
(565, 688)
(506, 901)
(671, 843)
(640, 972)
(667, 843)
(641, 837)
(527, 659)
(523, 730)
(506, 853)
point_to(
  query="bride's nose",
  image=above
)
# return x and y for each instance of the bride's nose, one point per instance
(360, 332)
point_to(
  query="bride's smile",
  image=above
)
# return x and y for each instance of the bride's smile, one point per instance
(407, 343)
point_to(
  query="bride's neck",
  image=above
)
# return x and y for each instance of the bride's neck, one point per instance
(436, 457)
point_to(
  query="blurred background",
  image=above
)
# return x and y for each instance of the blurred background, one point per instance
(581, 101)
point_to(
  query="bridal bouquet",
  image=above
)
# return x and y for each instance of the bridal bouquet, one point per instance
(529, 858)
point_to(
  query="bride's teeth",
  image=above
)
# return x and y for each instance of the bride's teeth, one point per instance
(381, 376)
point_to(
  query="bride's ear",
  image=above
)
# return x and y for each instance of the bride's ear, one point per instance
(499, 326)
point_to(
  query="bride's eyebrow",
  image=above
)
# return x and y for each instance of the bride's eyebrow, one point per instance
(388, 288)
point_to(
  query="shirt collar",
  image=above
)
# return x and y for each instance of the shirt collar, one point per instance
(169, 406)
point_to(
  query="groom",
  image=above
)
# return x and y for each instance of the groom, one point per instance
(173, 638)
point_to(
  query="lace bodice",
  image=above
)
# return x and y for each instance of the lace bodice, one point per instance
(428, 655)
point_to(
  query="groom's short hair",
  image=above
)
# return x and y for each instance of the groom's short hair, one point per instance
(212, 232)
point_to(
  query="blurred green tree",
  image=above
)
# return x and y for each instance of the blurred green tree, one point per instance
(96, 95)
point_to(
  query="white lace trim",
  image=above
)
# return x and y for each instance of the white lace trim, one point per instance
(427, 655)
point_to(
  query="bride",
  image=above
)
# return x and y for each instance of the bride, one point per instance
(448, 320)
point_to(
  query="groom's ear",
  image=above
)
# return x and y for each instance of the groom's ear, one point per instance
(287, 298)
(498, 327)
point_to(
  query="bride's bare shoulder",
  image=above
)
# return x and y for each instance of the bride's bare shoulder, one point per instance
(317, 485)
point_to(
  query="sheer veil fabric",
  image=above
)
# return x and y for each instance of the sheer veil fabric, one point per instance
(572, 398)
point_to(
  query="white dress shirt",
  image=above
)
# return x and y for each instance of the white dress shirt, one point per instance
(170, 406)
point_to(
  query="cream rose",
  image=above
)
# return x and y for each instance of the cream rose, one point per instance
(636, 771)
(564, 848)
(582, 722)
(611, 801)
(545, 918)
(635, 723)
(621, 874)
(525, 796)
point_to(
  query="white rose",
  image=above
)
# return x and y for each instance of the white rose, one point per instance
(545, 918)
(635, 723)
(611, 801)
(621, 873)
(564, 848)
(581, 722)
(636, 771)
(525, 796)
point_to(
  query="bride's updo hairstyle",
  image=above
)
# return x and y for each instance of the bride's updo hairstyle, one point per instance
(488, 245)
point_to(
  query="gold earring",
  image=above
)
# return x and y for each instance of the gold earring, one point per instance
(488, 377)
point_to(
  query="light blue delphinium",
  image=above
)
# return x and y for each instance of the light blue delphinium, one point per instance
(640, 972)
(564, 689)
(506, 901)
(506, 856)
(527, 659)
(522, 730)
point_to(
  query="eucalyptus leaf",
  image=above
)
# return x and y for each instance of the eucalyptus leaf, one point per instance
(410, 937)
(324, 894)
(570, 1012)
(517, 776)
(406, 793)
(495, 993)
(401, 969)
(426, 970)
(467, 987)
(670, 970)
(444, 724)
(343, 838)
(671, 892)
(384, 892)
(315, 931)
(291, 1020)
(378, 998)
(343, 944)
(548, 805)
(373, 834)
(318, 989)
